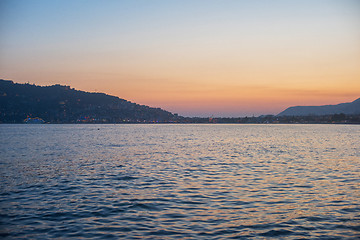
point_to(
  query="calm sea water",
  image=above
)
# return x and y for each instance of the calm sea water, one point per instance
(180, 181)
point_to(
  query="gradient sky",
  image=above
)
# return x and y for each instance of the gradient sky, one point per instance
(192, 57)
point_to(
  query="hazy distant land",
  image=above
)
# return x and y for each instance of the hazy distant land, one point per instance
(345, 108)
(63, 104)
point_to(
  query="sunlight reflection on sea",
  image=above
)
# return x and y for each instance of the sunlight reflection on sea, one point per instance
(180, 181)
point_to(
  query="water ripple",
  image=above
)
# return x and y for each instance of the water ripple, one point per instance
(180, 182)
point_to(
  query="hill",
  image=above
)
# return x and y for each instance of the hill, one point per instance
(62, 104)
(345, 108)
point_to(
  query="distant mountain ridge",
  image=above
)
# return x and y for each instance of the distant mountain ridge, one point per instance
(346, 108)
(62, 104)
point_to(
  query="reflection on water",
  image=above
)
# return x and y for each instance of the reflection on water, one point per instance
(180, 181)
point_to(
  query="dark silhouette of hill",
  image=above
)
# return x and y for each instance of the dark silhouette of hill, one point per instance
(345, 108)
(62, 104)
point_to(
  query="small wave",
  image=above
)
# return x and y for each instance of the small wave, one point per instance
(144, 206)
(279, 202)
(303, 186)
(239, 203)
(276, 233)
(56, 216)
(4, 234)
(304, 228)
(164, 233)
(125, 178)
(191, 202)
(350, 210)
(316, 219)
(265, 226)
(174, 215)
(114, 229)
(117, 145)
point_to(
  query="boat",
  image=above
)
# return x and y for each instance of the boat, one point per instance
(35, 120)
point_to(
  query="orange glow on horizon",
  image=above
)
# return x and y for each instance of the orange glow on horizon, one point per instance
(202, 58)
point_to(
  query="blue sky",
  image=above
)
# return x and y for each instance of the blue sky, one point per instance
(222, 58)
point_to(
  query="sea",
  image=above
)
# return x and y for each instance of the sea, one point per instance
(179, 181)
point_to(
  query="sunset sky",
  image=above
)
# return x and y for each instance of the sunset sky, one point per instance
(226, 58)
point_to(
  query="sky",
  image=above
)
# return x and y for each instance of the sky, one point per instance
(224, 58)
